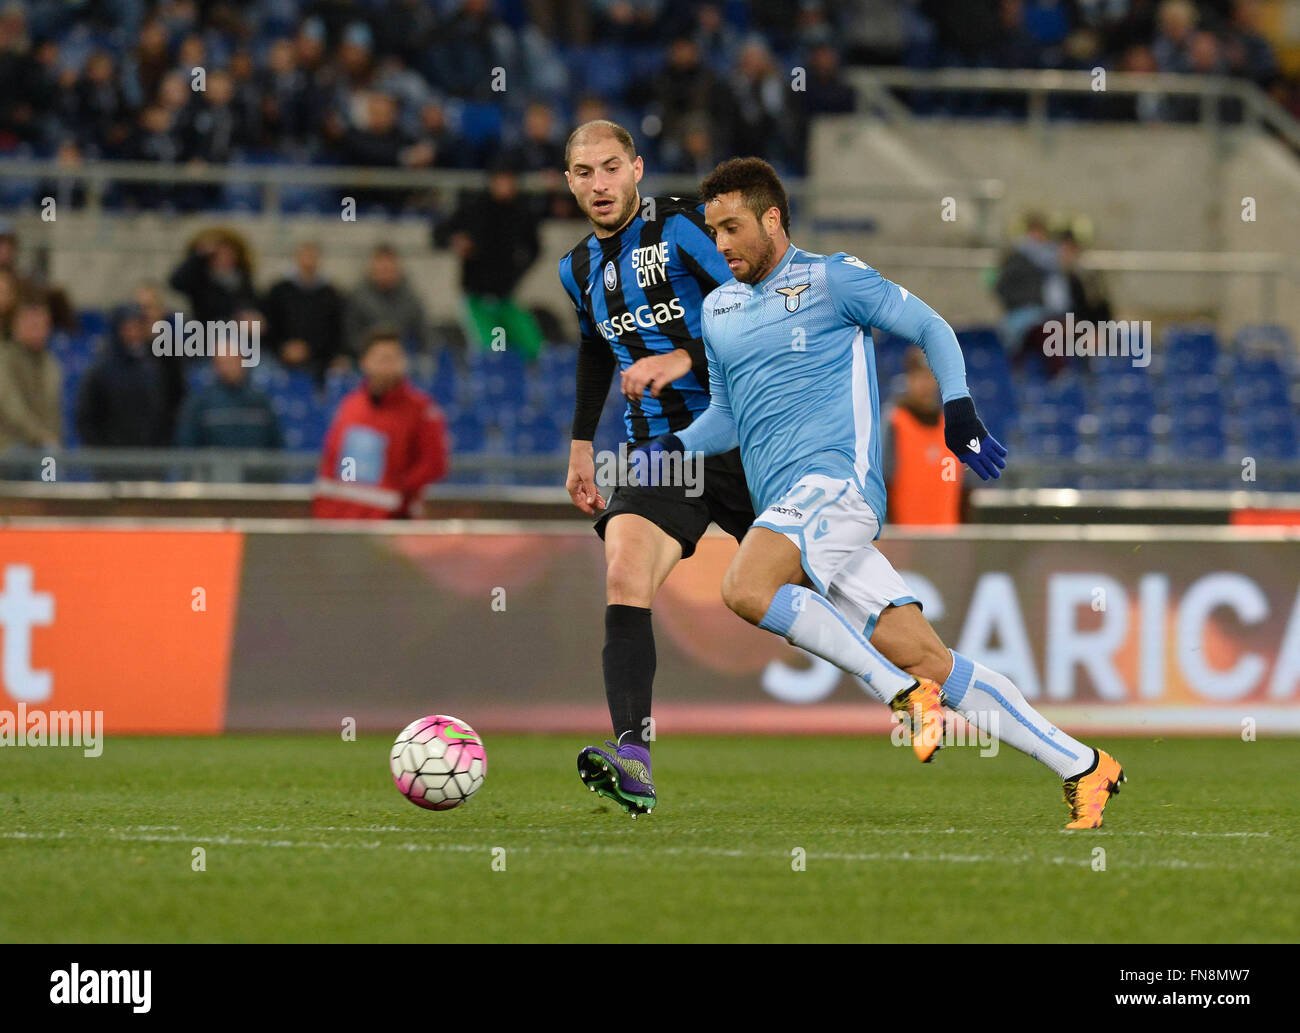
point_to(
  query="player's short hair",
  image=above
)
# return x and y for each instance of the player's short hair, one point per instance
(756, 181)
(596, 128)
(383, 334)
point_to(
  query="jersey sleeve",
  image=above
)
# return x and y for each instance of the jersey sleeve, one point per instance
(862, 296)
(699, 254)
(596, 363)
(714, 430)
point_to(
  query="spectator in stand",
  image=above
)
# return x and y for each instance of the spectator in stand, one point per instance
(246, 99)
(1030, 284)
(31, 283)
(149, 60)
(590, 109)
(31, 381)
(762, 117)
(495, 235)
(212, 129)
(406, 29)
(444, 148)
(229, 412)
(1176, 20)
(9, 294)
(713, 36)
(1089, 296)
(469, 45)
(682, 93)
(1247, 53)
(385, 298)
(825, 93)
(381, 143)
(21, 105)
(924, 480)
(540, 149)
(1015, 47)
(122, 402)
(386, 443)
(148, 298)
(304, 315)
(99, 114)
(542, 152)
(695, 154)
(288, 107)
(216, 275)
(626, 21)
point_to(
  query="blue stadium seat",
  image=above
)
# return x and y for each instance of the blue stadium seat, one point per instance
(480, 123)
(536, 434)
(1190, 350)
(1265, 337)
(468, 433)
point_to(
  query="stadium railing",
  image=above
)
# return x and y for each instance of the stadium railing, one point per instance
(874, 88)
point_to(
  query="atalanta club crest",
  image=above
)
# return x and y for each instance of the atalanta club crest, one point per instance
(611, 276)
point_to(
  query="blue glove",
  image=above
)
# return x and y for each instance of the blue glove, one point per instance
(664, 444)
(969, 441)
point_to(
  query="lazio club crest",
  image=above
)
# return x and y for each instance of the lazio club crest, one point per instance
(792, 295)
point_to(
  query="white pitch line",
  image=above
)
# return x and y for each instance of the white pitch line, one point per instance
(529, 830)
(643, 852)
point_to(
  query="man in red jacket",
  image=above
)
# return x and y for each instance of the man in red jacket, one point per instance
(387, 442)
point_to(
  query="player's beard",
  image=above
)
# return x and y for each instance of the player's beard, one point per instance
(764, 261)
(623, 213)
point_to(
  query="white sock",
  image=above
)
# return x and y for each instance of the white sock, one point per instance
(811, 622)
(993, 704)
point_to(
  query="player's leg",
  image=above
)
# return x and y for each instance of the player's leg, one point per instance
(638, 558)
(992, 703)
(764, 586)
(646, 531)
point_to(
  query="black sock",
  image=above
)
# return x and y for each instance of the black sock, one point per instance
(629, 662)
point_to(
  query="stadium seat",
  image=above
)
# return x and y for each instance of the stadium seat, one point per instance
(1190, 350)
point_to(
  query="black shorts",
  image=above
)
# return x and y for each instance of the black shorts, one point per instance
(724, 501)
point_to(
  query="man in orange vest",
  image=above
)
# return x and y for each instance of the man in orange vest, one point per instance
(923, 478)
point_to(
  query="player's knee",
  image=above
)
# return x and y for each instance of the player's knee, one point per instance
(628, 582)
(745, 598)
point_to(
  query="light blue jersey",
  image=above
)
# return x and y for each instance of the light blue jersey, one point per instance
(792, 372)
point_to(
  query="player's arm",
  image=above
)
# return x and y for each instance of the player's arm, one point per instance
(714, 430)
(862, 296)
(596, 366)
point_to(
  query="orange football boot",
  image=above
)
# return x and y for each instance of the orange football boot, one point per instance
(1088, 794)
(920, 708)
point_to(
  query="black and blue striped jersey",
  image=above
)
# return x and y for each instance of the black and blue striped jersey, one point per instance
(639, 293)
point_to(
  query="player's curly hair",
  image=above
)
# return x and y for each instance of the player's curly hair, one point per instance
(757, 183)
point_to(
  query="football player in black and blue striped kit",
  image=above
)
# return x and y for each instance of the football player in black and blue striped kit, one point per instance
(637, 282)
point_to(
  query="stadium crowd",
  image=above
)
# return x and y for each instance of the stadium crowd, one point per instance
(427, 84)
(415, 84)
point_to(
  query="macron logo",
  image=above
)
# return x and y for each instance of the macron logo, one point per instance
(974, 445)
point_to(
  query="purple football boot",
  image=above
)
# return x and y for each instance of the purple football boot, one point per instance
(623, 776)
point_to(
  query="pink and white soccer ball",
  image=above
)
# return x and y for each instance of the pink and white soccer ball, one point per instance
(438, 762)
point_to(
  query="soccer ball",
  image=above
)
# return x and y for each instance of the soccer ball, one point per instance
(438, 762)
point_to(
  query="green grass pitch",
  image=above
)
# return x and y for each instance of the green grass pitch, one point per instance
(306, 839)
